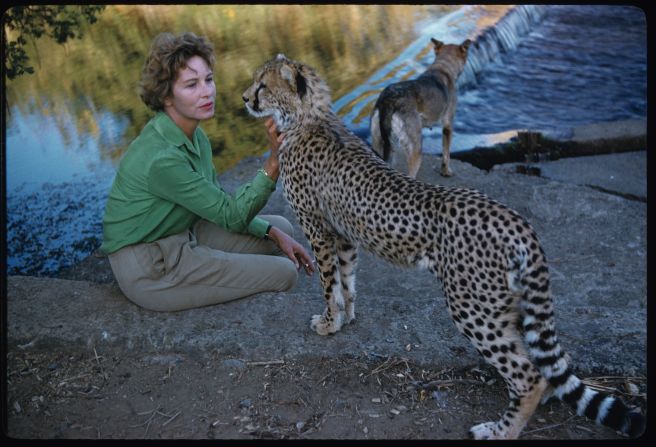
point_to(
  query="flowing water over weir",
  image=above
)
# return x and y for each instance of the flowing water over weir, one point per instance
(538, 67)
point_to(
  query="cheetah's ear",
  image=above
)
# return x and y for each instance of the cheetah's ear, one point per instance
(281, 57)
(295, 79)
(287, 73)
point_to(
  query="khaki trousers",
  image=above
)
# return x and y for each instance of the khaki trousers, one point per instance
(202, 266)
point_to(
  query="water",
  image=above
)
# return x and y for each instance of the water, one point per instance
(44, 151)
(541, 68)
(581, 64)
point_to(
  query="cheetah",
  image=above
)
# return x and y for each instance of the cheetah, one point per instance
(493, 270)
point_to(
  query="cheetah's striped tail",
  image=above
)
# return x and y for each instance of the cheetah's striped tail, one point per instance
(603, 408)
(547, 355)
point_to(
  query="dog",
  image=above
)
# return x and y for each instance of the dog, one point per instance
(404, 108)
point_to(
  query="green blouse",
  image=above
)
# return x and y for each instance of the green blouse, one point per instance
(165, 183)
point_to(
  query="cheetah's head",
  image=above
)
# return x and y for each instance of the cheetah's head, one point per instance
(286, 90)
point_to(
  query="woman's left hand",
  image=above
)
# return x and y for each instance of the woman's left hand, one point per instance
(271, 165)
(294, 251)
(275, 138)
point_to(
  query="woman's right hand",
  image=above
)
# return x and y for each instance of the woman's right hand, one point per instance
(294, 251)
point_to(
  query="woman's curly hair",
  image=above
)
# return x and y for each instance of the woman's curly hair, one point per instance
(168, 55)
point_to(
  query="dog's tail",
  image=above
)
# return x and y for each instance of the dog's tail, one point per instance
(381, 129)
(549, 357)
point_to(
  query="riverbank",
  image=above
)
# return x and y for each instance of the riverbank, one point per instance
(83, 362)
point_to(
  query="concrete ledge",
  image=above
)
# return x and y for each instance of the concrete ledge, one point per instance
(606, 131)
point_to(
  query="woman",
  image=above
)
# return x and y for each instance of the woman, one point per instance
(175, 239)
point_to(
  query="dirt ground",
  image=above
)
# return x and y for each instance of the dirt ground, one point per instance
(125, 395)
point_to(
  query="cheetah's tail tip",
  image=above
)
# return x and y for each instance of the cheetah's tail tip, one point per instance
(637, 424)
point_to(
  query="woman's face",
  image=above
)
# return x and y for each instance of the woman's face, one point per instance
(193, 95)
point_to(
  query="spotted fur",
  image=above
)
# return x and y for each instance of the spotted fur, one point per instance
(493, 269)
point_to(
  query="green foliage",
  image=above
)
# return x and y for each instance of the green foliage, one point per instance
(23, 23)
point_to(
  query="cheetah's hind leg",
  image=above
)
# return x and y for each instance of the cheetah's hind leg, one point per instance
(500, 343)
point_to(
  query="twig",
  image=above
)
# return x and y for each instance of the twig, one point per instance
(153, 413)
(73, 378)
(270, 362)
(635, 379)
(147, 421)
(102, 370)
(171, 418)
(324, 377)
(592, 382)
(96, 354)
(148, 426)
(439, 383)
(549, 426)
(387, 364)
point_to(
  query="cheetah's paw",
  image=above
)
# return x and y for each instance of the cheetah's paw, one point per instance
(548, 394)
(349, 314)
(487, 430)
(322, 326)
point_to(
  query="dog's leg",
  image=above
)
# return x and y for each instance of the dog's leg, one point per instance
(374, 129)
(347, 254)
(414, 159)
(446, 146)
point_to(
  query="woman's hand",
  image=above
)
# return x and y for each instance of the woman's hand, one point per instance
(292, 249)
(271, 165)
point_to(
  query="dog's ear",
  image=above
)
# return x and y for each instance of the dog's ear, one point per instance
(437, 44)
(465, 46)
(294, 78)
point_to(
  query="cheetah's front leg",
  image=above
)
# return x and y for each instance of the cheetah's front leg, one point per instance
(347, 255)
(333, 317)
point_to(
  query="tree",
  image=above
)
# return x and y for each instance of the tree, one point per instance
(59, 22)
